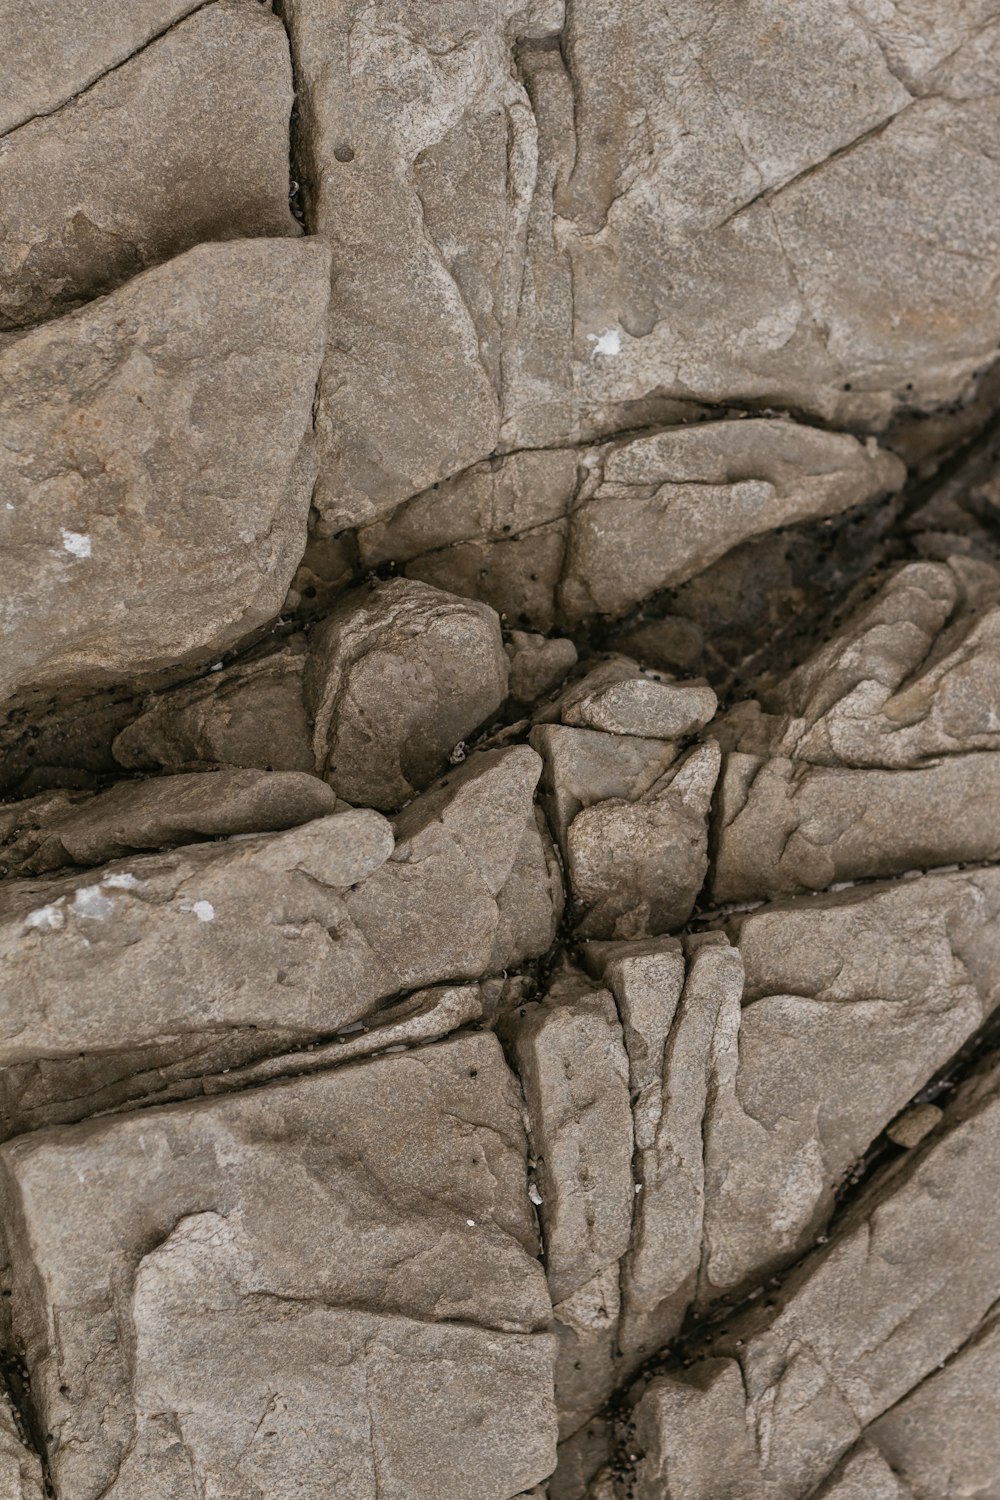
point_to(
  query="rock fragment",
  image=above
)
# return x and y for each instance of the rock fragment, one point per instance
(538, 664)
(619, 698)
(256, 945)
(225, 1220)
(668, 505)
(250, 713)
(155, 470)
(160, 814)
(397, 677)
(162, 153)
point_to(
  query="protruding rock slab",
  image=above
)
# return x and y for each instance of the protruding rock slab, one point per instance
(397, 677)
(154, 485)
(310, 1299)
(260, 944)
(188, 141)
(61, 829)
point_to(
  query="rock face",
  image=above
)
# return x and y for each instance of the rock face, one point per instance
(162, 153)
(147, 438)
(499, 750)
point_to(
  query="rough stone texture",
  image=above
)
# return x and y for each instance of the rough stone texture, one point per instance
(395, 680)
(256, 944)
(500, 923)
(262, 1313)
(186, 142)
(247, 714)
(54, 52)
(906, 1284)
(20, 1470)
(153, 471)
(59, 829)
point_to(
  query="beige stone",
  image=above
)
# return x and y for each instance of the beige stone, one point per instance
(310, 1299)
(396, 678)
(155, 479)
(187, 141)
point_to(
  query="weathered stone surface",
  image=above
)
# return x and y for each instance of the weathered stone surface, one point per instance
(255, 945)
(55, 51)
(569, 1053)
(158, 814)
(792, 1384)
(422, 155)
(864, 1475)
(851, 1002)
(396, 678)
(279, 1343)
(188, 141)
(668, 505)
(584, 767)
(537, 665)
(247, 714)
(727, 236)
(154, 465)
(563, 535)
(619, 698)
(637, 867)
(942, 1438)
(787, 826)
(20, 1470)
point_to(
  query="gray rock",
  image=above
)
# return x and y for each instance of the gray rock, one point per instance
(852, 1001)
(584, 767)
(637, 867)
(942, 1437)
(161, 814)
(863, 1475)
(55, 52)
(20, 1470)
(530, 902)
(791, 1385)
(421, 147)
(187, 141)
(248, 714)
(396, 678)
(570, 1055)
(666, 506)
(619, 698)
(154, 470)
(913, 675)
(257, 945)
(727, 237)
(787, 826)
(399, 1338)
(537, 664)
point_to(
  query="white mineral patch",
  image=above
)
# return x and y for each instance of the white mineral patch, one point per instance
(46, 918)
(76, 543)
(608, 342)
(90, 901)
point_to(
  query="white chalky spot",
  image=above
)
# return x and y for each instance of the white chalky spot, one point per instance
(90, 901)
(608, 342)
(203, 910)
(76, 543)
(534, 1195)
(122, 881)
(46, 918)
(471, 1223)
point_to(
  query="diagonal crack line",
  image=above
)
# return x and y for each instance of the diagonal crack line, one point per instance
(44, 114)
(768, 195)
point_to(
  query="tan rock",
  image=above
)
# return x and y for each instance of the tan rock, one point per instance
(155, 484)
(537, 664)
(187, 141)
(161, 814)
(396, 678)
(55, 51)
(666, 506)
(619, 698)
(248, 714)
(219, 1232)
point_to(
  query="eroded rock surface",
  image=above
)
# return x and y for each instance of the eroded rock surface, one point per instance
(500, 732)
